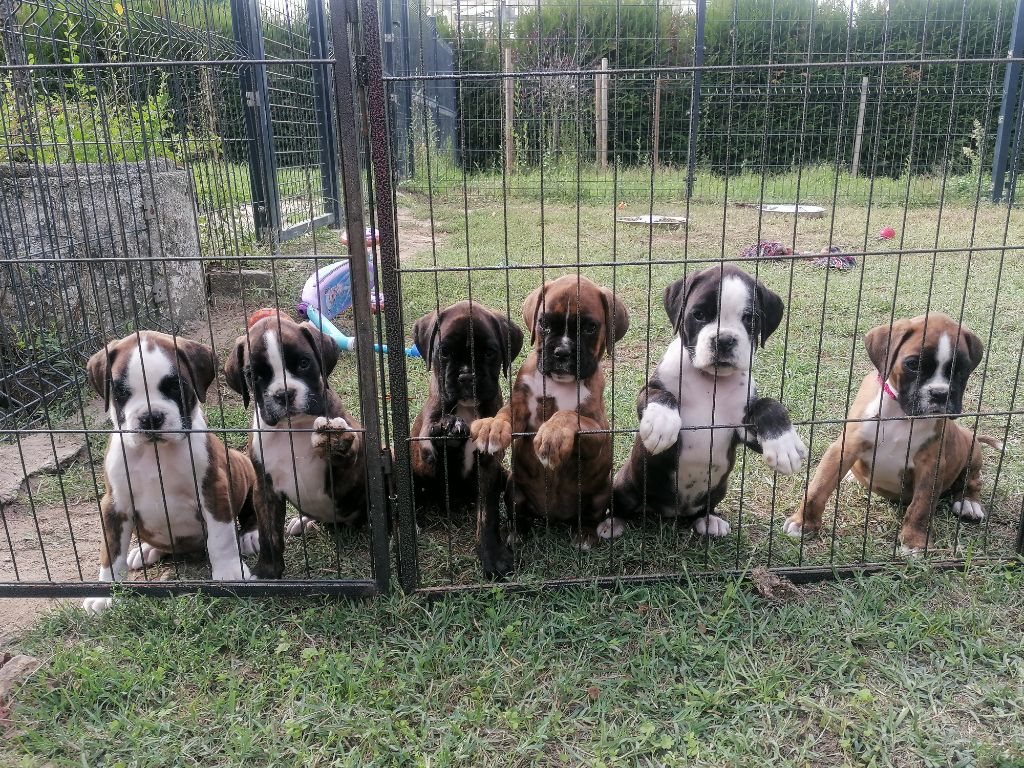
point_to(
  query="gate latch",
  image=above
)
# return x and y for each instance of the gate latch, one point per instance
(252, 98)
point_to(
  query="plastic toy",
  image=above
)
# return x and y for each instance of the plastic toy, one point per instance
(887, 234)
(345, 343)
(329, 289)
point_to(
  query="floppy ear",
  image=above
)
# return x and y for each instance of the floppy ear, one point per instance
(200, 363)
(424, 332)
(97, 370)
(234, 368)
(883, 344)
(616, 318)
(772, 310)
(531, 308)
(676, 295)
(510, 340)
(324, 348)
(975, 349)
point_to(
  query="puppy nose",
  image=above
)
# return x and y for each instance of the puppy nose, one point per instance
(939, 395)
(725, 344)
(151, 422)
(562, 353)
(285, 397)
(465, 378)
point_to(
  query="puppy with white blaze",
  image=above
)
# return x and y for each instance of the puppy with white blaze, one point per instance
(168, 479)
(702, 402)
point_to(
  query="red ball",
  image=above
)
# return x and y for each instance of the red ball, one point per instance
(887, 234)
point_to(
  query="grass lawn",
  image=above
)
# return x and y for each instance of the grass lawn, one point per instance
(919, 668)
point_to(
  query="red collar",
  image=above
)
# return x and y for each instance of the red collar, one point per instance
(886, 388)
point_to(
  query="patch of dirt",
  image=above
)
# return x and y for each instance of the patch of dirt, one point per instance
(774, 588)
(415, 235)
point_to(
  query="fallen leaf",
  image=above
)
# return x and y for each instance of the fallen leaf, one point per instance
(593, 692)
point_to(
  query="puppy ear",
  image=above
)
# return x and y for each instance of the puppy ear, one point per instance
(234, 368)
(616, 318)
(200, 363)
(677, 294)
(883, 344)
(97, 370)
(975, 349)
(531, 310)
(510, 340)
(772, 310)
(424, 332)
(324, 348)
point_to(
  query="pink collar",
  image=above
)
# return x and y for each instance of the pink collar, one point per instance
(886, 388)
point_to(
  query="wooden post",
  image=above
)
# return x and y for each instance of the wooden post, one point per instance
(860, 125)
(510, 134)
(657, 121)
(601, 114)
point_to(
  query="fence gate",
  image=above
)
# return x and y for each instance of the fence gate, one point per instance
(289, 125)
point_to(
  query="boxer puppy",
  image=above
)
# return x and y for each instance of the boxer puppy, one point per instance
(304, 444)
(704, 387)
(921, 369)
(167, 479)
(468, 348)
(559, 393)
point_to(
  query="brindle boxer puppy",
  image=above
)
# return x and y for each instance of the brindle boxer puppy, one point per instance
(467, 347)
(283, 366)
(169, 480)
(559, 393)
(921, 369)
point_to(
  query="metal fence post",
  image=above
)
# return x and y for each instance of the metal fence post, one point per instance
(322, 106)
(380, 152)
(698, 62)
(349, 145)
(1011, 103)
(245, 21)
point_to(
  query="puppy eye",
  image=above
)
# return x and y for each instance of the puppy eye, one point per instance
(910, 364)
(748, 318)
(304, 364)
(590, 328)
(121, 391)
(490, 354)
(443, 350)
(699, 315)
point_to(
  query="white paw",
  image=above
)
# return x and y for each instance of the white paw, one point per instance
(611, 528)
(969, 510)
(849, 477)
(249, 543)
(143, 555)
(322, 426)
(659, 427)
(711, 525)
(233, 571)
(793, 529)
(513, 540)
(785, 453)
(297, 525)
(94, 606)
(911, 553)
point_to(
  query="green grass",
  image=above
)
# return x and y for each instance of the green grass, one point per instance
(918, 668)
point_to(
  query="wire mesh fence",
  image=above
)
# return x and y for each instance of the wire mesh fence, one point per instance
(179, 168)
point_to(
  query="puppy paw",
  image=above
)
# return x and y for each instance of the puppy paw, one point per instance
(911, 553)
(491, 435)
(331, 436)
(450, 431)
(555, 439)
(795, 528)
(496, 560)
(913, 543)
(712, 526)
(297, 525)
(584, 540)
(235, 570)
(249, 542)
(659, 427)
(969, 510)
(143, 555)
(785, 453)
(610, 528)
(94, 606)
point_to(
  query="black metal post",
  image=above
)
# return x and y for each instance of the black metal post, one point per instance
(698, 61)
(322, 107)
(343, 13)
(1011, 102)
(407, 69)
(380, 152)
(245, 21)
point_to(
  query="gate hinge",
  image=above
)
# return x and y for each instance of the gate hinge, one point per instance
(252, 98)
(361, 69)
(385, 461)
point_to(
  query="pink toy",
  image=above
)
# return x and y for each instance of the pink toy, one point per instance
(887, 234)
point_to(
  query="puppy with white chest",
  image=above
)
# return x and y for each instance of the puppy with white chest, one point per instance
(467, 347)
(921, 369)
(702, 402)
(558, 470)
(167, 479)
(306, 448)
